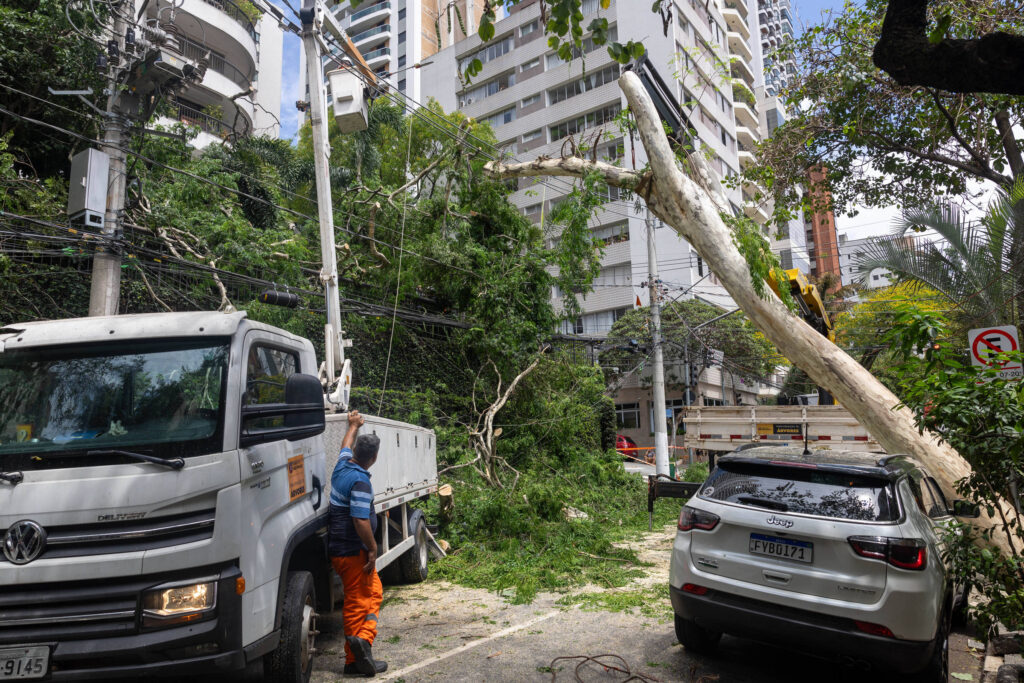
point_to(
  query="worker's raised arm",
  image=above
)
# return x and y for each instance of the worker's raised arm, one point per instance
(355, 421)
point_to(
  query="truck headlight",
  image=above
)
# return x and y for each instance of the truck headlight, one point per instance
(168, 605)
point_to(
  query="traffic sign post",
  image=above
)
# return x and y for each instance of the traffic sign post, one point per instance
(986, 342)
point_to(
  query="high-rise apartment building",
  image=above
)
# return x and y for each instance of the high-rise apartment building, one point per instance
(775, 20)
(538, 105)
(395, 35)
(241, 91)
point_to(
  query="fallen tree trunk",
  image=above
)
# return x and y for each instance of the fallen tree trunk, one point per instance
(694, 209)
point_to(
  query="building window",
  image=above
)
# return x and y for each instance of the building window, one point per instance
(581, 123)
(589, 82)
(527, 29)
(401, 37)
(501, 118)
(627, 415)
(786, 259)
(619, 312)
(401, 14)
(577, 326)
(532, 208)
(531, 100)
(401, 61)
(492, 87)
(401, 85)
(501, 47)
(700, 266)
(588, 47)
(532, 135)
(526, 66)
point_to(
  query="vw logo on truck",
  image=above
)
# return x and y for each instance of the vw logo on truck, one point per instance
(24, 542)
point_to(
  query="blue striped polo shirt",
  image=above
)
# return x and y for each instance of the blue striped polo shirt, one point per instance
(351, 496)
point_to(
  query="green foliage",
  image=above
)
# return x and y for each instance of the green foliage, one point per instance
(696, 472)
(884, 144)
(751, 242)
(519, 542)
(735, 335)
(982, 417)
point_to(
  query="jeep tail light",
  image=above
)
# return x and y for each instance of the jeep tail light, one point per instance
(692, 518)
(874, 629)
(905, 553)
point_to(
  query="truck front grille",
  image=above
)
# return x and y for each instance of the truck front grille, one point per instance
(127, 536)
(69, 611)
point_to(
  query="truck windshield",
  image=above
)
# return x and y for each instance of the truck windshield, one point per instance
(165, 398)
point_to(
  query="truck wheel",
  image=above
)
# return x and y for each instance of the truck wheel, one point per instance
(694, 638)
(413, 561)
(292, 661)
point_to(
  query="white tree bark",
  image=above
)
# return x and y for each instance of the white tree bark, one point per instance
(694, 210)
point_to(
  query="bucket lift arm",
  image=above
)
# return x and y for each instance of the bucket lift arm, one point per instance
(336, 370)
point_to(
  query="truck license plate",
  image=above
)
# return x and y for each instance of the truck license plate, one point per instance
(22, 663)
(801, 551)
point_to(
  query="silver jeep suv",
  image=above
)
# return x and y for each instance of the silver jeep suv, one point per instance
(834, 553)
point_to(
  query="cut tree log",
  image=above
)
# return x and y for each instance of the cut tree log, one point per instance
(693, 207)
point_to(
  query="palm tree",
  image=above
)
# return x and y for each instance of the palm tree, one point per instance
(974, 265)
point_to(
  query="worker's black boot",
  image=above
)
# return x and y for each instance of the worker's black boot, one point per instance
(363, 652)
(353, 670)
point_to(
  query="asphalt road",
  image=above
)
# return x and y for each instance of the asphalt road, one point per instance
(439, 632)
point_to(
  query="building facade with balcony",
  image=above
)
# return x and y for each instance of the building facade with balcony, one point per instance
(775, 21)
(395, 35)
(241, 90)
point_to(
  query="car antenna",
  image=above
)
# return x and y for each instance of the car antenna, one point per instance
(807, 451)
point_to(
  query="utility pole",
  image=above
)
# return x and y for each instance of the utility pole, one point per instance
(105, 289)
(660, 428)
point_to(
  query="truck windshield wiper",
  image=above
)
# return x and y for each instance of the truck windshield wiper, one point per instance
(763, 502)
(12, 478)
(173, 463)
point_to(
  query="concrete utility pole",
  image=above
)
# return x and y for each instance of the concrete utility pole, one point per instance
(660, 427)
(105, 289)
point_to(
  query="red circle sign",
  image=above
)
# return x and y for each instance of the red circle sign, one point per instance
(981, 344)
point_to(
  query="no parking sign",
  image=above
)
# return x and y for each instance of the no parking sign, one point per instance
(985, 342)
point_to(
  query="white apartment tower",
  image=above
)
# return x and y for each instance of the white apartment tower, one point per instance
(536, 103)
(395, 35)
(241, 91)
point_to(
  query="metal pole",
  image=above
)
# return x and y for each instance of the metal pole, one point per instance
(721, 374)
(334, 353)
(660, 428)
(105, 288)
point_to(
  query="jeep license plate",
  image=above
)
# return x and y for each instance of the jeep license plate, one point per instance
(786, 548)
(21, 663)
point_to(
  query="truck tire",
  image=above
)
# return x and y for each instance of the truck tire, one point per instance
(413, 562)
(292, 661)
(694, 638)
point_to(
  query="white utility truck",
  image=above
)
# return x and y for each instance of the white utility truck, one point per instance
(164, 478)
(164, 495)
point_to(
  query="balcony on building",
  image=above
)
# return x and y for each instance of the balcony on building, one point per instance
(758, 213)
(740, 69)
(371, 38)
(736, 21)
(220, 24)
(745, 155)
(368, 16)
(746, 136)
(379, 57)
(738, 46)
(745, 114)
(737, 6)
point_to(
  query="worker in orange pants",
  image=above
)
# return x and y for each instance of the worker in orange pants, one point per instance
(363, 595)
(353, 547)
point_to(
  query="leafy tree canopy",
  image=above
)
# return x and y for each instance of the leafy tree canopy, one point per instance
(885, 144)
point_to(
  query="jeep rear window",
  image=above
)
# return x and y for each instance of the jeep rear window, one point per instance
(822, 493)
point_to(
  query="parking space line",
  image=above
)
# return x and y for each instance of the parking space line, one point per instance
(468, 646)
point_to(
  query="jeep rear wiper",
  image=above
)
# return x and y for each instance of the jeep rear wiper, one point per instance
(764, 503)
(12, 478)
(173, 463)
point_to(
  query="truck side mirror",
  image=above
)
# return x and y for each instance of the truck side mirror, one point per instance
(299, 417)
(965, 508)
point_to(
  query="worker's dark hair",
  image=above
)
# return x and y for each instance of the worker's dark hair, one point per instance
(366, 447)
